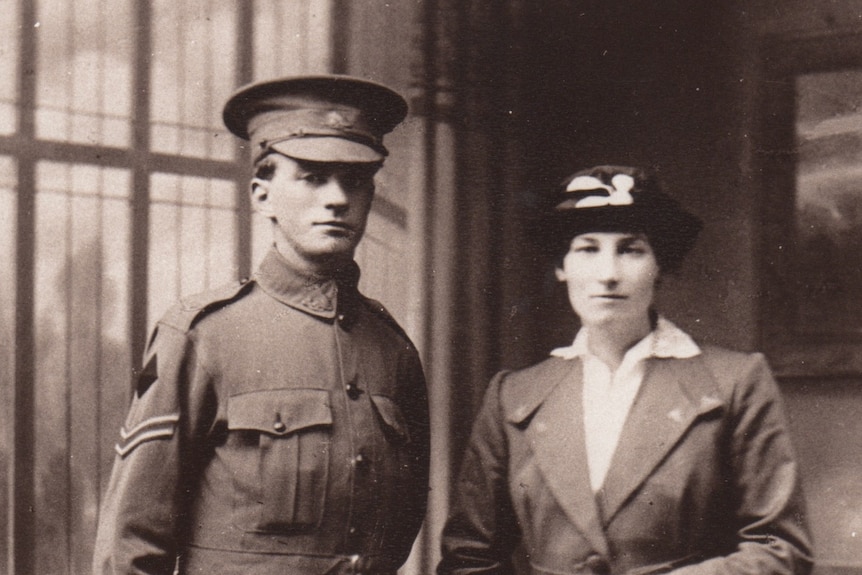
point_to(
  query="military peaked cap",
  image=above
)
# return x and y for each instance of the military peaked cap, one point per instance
(330, 118)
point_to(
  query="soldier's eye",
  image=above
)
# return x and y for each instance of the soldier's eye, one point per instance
(315, 179)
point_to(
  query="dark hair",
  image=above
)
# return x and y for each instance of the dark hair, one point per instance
(264, 167)
(669, 254)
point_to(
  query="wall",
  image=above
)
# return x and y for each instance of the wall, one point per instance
(826, 424)
(659, 85)
(824, 411)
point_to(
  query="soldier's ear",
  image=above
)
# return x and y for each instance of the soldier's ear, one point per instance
(260, 196)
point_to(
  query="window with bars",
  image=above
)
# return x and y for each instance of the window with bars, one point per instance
(120, 192)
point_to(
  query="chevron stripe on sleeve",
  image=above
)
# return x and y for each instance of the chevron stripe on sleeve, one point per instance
(162, 426)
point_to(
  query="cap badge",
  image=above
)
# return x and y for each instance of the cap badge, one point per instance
(338, 121)
(619, 192)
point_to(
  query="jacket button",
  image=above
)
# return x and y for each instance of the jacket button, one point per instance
(361, 460)
(352, 390)
(598, 565)
(279, 426)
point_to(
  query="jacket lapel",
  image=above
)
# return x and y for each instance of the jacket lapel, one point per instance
(674, 393)
(556, 434)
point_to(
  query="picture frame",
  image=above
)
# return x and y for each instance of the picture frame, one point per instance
(809, 158)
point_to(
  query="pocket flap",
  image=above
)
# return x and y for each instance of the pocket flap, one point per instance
(391, 415)
(279, 411)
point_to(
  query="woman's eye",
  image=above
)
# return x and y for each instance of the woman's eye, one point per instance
(633, 250)
(586, 249)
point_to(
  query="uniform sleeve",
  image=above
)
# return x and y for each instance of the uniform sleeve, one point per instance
(415, 504)
(482, 531)
(141, 518)
(771, 533)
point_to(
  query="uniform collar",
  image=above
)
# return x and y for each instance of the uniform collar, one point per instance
(311, 293)
(666, 340)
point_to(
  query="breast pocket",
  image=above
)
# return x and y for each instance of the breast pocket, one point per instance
(280, 439)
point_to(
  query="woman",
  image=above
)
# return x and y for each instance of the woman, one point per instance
(634, 450)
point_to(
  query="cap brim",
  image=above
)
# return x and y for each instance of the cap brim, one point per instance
(327, 149)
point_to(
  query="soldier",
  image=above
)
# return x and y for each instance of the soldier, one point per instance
(280, 424)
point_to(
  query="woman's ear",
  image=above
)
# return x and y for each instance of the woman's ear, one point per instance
(260, 200)
(559, 273)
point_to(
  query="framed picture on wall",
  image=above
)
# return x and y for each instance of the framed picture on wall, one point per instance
(809, 153)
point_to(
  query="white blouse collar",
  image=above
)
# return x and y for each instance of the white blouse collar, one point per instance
(666, 340)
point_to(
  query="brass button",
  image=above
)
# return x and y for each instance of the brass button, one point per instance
(353, 392)
(279, 426)
(361, 460)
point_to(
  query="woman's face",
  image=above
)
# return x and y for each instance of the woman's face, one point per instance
(610, 277)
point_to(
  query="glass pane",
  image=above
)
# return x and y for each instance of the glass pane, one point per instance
(383, 259)
(93, 105)
(81, 380)
(8, 206)
(8, 67)
(192, 238)
(291, 37)
(193, 72)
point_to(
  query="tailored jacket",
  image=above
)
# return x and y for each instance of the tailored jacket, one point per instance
(279, 426)
(703, 480)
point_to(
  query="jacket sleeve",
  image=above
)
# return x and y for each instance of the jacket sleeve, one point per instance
(141, 518)
(414, 504)
(482, 529)
(770, 529)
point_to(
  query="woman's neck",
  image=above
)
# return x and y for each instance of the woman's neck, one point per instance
(609, 343)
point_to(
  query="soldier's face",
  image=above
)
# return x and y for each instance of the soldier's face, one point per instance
(319, 209)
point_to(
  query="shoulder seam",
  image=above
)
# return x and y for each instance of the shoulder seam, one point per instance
(185, 314)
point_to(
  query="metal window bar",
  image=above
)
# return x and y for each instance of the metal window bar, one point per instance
(21, 500)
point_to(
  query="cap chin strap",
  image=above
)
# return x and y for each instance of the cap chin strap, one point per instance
(266, 146)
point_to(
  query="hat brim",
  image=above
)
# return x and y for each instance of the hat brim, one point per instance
(666, 221)
(328, 149)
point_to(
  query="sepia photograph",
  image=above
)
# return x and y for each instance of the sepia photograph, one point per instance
(431, 287)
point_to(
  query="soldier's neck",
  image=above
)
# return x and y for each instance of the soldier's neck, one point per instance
(324, 267)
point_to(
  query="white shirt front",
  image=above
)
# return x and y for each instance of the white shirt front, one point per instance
(608, 396)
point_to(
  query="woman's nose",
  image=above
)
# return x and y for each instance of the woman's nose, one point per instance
(607, 268)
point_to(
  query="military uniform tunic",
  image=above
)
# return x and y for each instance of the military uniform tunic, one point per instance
(279, 426)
